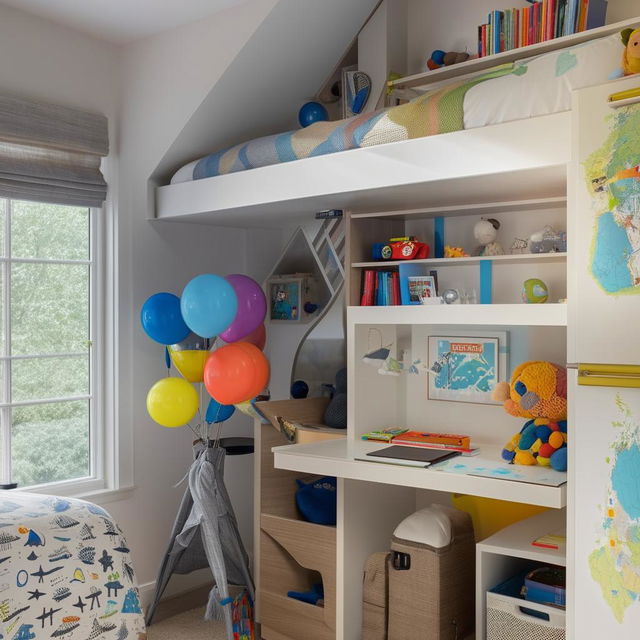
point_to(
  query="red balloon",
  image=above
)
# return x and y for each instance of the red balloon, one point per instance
(236, 372)
(257, 336)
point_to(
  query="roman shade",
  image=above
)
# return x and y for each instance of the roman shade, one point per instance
(51, 153)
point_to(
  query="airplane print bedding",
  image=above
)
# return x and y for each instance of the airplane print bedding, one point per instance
(65, 572)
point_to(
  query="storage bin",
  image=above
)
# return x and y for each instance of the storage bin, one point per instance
(432, 576)
(375, 596)
(510, 617)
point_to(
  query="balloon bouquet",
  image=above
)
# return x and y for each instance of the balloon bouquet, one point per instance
(213, 334)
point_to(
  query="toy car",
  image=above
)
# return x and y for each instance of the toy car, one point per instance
(400, 250)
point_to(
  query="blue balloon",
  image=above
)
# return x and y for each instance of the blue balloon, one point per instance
(162, 320)
(311, 112)
(217, 412)
(209, 305)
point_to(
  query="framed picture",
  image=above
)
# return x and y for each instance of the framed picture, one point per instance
(285, 295)
(421, 287)
(466, 367)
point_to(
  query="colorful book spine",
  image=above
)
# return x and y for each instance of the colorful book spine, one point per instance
(368, 288)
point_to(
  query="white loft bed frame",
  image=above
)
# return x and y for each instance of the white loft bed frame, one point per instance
(527, 159)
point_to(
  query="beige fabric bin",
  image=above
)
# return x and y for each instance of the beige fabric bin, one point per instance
(432, 576)
(375, 594)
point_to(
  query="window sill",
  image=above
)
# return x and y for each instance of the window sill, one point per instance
(82, 491)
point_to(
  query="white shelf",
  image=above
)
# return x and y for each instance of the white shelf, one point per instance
(473, 208)
(421, 172)
(515, 540)
(544, 315)
(337, 458)
(471, 260)
(433, 78)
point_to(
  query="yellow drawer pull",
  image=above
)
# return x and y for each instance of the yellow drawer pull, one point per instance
(609, 375)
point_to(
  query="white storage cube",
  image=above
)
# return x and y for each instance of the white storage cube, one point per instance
(506, 619)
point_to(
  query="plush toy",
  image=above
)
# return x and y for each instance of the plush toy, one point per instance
(454, 252)
(538, 391)
(631, 55)
(441, 59)
(485, 232)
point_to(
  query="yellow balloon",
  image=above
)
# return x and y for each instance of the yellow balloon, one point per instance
(172, 402)
(190, 363)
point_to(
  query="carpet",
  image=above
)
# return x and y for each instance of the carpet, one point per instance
(189, 625)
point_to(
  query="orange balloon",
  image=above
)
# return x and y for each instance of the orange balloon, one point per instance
(236, 372)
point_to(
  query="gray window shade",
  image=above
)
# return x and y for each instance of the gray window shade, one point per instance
(51, 153)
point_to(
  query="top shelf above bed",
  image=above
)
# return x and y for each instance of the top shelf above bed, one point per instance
(432, 79)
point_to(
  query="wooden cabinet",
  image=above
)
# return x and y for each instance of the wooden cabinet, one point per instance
(291, 554)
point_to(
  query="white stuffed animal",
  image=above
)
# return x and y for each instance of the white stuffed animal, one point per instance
(485, 232)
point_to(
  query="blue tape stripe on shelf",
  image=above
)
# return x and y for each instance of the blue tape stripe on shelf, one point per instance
(485, 282)
(438, 237)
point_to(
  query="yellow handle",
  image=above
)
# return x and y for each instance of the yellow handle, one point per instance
(609, 375)
(624, 95)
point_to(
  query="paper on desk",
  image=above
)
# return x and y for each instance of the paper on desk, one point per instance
(488, 468)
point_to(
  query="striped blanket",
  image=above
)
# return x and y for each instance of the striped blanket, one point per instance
(438, 111)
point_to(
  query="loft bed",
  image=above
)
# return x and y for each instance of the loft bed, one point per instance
(507, 127)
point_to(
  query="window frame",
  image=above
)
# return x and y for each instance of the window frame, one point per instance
(99, 478)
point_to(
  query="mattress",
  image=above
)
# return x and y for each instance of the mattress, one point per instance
(65, 572)
(531, 87)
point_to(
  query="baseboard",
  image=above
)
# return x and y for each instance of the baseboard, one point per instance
(178, 603)
(179, 585)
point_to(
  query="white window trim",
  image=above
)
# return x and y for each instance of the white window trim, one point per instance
(111, 463)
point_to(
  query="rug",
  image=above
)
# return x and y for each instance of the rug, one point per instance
(189, 625)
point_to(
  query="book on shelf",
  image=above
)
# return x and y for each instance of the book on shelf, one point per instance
(429, 438)
(542, 20)
(379, 288)
(554, 540)
(409, 456)
(384, 435)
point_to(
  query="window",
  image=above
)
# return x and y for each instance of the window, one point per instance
(49, 378)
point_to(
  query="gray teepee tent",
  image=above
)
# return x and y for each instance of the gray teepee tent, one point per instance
(206, 510)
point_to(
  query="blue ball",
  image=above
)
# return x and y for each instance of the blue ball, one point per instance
(438, 56)
(299, 389)
(312, 112)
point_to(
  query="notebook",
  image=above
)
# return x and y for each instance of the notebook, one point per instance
(413, 456)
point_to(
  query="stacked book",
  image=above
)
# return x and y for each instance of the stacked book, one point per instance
(380, 288)
(543, 20)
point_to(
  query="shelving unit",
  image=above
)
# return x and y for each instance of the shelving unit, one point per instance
(510, 552)
(375, 496)
(284, 559)
(432, 79)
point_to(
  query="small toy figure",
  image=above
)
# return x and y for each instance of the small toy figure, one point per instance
(454, 252)
(441, 59)
(485, 232)
(548, 240)
(519, 246)
(538, 391)
(631, 55)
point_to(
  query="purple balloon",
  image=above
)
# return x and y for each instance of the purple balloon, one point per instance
(252, 307)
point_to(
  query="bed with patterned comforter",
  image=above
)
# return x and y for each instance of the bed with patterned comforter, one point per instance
(515, 91)
(65, 572)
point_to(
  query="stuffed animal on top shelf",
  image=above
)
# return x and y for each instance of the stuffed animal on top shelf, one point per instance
(485, 232)
(537, 391)
(631, 55)
(441, 59)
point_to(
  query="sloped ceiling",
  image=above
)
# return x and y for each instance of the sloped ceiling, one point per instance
(284, 64)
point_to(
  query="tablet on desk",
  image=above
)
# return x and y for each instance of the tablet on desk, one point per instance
(414, 456)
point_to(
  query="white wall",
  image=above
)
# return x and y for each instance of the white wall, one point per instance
(164, 79)
(453, 25)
